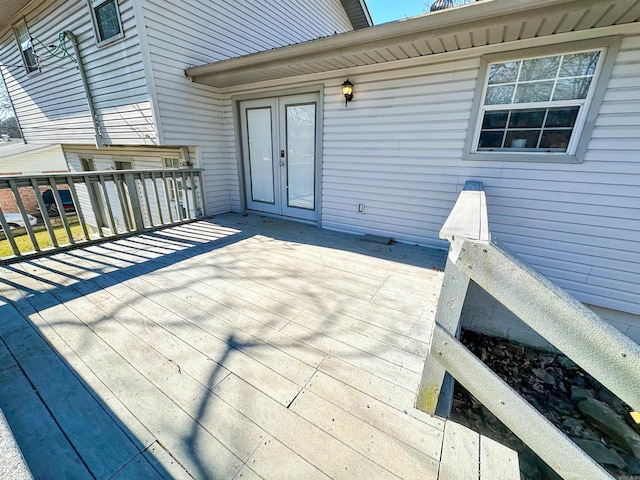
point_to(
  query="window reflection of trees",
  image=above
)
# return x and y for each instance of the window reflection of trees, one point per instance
(561, 77)
(534, 103)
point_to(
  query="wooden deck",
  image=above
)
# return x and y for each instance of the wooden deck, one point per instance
(238, 348)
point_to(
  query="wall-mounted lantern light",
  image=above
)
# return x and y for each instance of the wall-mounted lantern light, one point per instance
(347, 90)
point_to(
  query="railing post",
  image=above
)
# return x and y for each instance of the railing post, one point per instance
(45, 213)
(9, 235)
(436, 387)
(78, 206)
(134, 200)
(61, 211)
(23, 212)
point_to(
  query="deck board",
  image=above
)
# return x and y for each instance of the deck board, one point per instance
(378, 446)
(497, 461)
(460, 454)
(33, 427)
(239, 348)
(424, 437)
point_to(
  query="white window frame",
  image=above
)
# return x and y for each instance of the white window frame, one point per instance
(587, 114)
(175, 188)
(22, 25)
(93, 4)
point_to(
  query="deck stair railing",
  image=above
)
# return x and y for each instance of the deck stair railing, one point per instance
(96, 205)
(597, 347)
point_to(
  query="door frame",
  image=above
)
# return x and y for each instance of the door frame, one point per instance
(277, 93)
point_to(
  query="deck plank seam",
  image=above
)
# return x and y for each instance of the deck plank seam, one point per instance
(307, 383)
(148, 450)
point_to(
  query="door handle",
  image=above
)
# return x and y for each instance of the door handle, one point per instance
(281, 153)
(282, 164)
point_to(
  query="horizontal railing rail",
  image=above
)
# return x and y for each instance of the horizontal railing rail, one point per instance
(92, 206)
(597, 347)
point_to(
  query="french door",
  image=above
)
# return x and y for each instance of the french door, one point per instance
(279, 146)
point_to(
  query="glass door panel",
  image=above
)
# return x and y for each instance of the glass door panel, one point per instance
(260, 154)
(301, 155)
(260, 161)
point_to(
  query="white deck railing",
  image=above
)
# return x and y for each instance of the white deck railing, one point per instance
(98, 205)
(608, 355)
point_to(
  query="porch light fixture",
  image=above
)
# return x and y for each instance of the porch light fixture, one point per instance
(347, 90)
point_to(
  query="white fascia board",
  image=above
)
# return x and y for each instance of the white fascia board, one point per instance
(461, 18)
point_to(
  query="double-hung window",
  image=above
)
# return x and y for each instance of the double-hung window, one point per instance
(535, 107)
(174, 184)
(26, 47)
(106, 20)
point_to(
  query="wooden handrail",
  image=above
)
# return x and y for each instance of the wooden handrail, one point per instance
(583, 336)
(113, 202)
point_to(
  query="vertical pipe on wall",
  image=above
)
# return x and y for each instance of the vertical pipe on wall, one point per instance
(87, 91)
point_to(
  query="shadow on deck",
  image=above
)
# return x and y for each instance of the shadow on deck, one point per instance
(242, 347)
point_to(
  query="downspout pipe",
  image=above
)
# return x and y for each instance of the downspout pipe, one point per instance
(87, 92)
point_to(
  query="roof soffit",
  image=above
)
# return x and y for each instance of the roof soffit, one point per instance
(9, 9)
(480, 24)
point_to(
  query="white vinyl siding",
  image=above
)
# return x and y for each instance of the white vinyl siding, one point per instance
(52, 106)
(190, 113)
(181, 34)
(397, 148)
(44, 160)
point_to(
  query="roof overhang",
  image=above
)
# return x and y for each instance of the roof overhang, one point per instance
(9, 9)
(358, 13)
(477, 24)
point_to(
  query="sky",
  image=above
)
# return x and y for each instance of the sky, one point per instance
(383, 11)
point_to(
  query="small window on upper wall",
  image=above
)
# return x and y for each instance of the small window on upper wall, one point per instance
(536, 107)
(26, 48)
(106, 20)
(171, 162)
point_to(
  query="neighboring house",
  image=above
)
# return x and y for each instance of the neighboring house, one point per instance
(538, 99)
(18, 158)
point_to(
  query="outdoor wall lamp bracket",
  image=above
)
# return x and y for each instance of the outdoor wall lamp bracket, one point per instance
(347, 90)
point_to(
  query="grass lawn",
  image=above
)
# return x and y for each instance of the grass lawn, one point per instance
(43, 239)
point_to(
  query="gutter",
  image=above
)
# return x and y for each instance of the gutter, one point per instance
(83, 76)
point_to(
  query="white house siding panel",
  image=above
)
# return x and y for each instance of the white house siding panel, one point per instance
(393, 149)
(234, 156)
(397, 148)
(182, 34)
(45, 160)
(52, 105)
